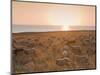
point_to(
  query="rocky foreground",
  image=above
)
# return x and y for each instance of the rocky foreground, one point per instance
(53, 51)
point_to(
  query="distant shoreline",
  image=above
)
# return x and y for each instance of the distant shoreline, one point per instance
(55, 31)
(44, 28)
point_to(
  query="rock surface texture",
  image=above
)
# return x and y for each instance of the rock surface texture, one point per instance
(53, 51)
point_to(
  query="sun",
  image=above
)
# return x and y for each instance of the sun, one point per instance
(65, 28)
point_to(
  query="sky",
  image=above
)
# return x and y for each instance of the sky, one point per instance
(42, 14)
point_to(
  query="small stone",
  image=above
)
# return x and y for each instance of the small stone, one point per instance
(62, 62)
(76, 49)
(82, 62)
(30, 66)
(91, 52)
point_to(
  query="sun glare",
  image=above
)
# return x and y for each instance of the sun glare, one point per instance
(61, 18)
(65, 28)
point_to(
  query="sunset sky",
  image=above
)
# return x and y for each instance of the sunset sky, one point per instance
(41, 14)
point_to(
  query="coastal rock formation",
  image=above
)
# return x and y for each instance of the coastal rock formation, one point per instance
(53, 51)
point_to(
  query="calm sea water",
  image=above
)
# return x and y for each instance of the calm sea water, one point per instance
(44, 28)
